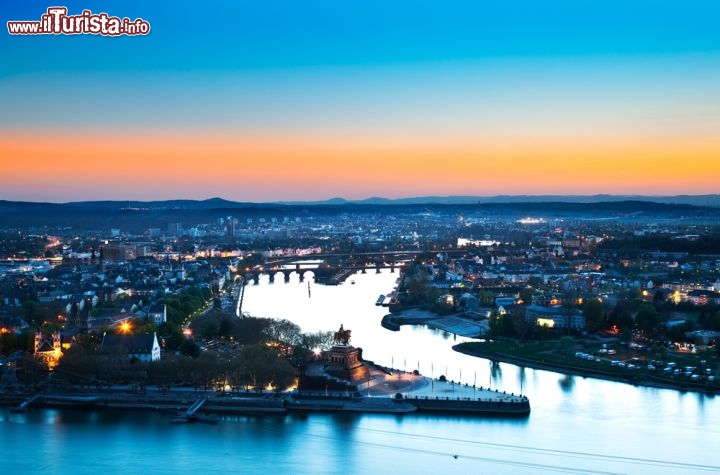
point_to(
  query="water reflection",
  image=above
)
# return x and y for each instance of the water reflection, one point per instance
(616, 412)
(521, 378)
(567, 383)
(495, 371)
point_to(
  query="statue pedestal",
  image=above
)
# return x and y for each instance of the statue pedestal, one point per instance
(343, 361)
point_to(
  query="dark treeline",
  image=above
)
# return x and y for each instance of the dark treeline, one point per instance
(706, 244)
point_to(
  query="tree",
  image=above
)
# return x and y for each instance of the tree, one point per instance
(283, 374)
(418, 287)
(519, 324)
(593, 312)
(317, 340)
(251, 331)
(210, 330)
(265, 368)
(75, 366)
(163, 373)
(284, 331)
(172, 336)
(660, 351)
(29, 307)
(565, 345)
(625, 320)
(257, 361)
(496, 324)
(190, 348)
(226, 327)
(647, 318)
(486, 298)
(8, 343)
(80, 365)
(526, 295)
(714, 322)
(33, 371)
(677, 332)
(235, 373)
(206, 369)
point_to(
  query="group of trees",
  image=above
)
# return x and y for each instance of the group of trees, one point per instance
(180, 308)
(254, 366)
(250, 331)
(183, 304)
(21, 245)
(11, 342)
(635, 245)
(416, 287)
(257, 354)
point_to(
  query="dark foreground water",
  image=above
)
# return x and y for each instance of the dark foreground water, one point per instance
(577, 425)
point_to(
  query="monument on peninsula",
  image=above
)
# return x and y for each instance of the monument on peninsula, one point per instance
(343, 360)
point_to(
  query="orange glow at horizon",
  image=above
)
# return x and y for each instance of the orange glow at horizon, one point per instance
(195, 165)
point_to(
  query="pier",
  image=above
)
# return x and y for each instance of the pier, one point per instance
(25, 404)
(191, 414)
(194, 408)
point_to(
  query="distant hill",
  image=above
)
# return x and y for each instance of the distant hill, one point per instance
(21, 206)
(221, 203)
(212, 203)
(696, 200)
(138, 216)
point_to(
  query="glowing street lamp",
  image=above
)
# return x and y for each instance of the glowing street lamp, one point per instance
(125, 327)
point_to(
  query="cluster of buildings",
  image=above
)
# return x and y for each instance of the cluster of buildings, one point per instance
(107, 276)
(559, 269)
(90, 294)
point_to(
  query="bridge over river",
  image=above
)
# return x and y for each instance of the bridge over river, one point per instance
(323, 273)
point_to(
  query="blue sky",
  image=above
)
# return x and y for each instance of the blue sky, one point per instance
(242, 35)
(511, 72)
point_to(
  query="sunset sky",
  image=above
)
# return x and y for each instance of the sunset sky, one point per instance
(286, 100)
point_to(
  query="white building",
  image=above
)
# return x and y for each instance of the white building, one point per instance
(141, 347)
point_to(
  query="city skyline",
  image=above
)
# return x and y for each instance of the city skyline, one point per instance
(309, 102)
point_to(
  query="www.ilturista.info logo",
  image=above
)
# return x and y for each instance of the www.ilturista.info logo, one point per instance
(57, 22)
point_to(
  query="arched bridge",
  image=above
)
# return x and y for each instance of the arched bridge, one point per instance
(323, 274)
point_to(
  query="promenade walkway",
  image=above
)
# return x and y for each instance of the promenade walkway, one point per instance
(382, 384)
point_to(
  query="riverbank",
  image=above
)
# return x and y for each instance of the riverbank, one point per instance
(633, 377)
(384, 391)
(152, 399)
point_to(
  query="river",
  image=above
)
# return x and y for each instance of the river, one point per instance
(577, 425)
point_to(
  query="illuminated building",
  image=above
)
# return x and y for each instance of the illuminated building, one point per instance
(48, 349)
(555, 317)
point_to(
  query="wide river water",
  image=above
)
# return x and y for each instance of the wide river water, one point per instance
(577, 425)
